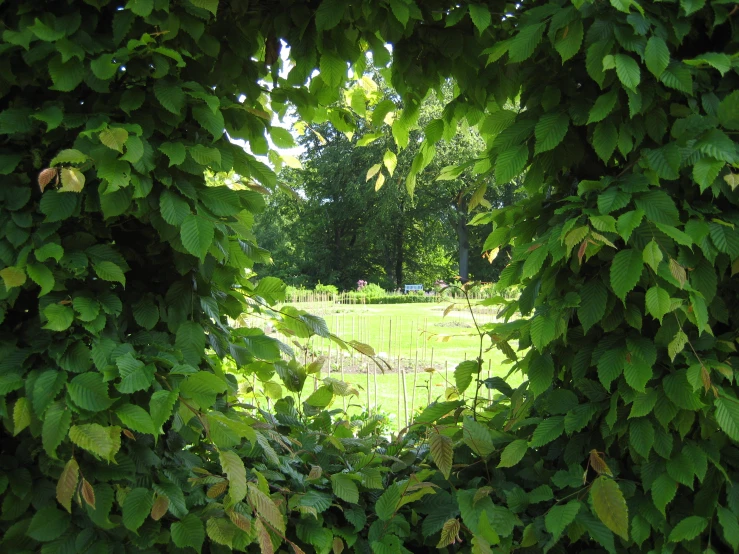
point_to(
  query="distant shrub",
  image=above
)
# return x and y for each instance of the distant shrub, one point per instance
(330, 289)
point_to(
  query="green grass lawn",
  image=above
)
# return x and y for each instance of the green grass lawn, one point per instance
(419, 335)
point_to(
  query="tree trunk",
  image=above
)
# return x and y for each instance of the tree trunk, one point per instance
(399, 243)
(464, 246)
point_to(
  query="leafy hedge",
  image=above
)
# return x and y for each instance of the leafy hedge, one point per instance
(120, 264)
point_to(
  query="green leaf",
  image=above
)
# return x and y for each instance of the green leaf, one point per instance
(605, 138)
(188, 532)
(542, 330)
(658, 302)
(626, 270)
(58, 206)
(610, 506)
(203, 387)
(146, 313)
(481, 16)
(161, 405)
(96, 439)
(211, 121)
(603, 106)
(21, 415)
(593, 299)
(612, 199)
(136, 418)
(560, 516)
(329, 14)
(688, 529)
(190, 340)
(135, 375)
(66, 76)
(197, 235)
(656, 56)
(47, 386)
(89, 392)
(333, 69)
(175, 151)
(48, 524)
(345, 488)
(706, 170)
(692, 6)
(142, 8)
(321, 397)
(540, 374)
(569, 39)
(234, 469)
(13, 277)
(510, 163)
(442, 452)
(513, 453)
(727, 415)
(49, 250)
(114, 138)
(463, 374)
(652, 255)
(109, 271)
(658, 207)
(59, 318)
(628, 71)
(548, 430)
(524, 43)
(173, 207)
(170, 95)
(388, 502)
(729, 526)
(136, 508)
(641, 436)
(477, 437)
(678, 76)
(550, 131)
(55, 427)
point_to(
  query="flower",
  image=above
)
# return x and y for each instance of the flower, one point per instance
(361, 284)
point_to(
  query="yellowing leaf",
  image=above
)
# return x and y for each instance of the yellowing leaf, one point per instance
(114, 138)
(610, 506)
(380, 181)
(67, 484)
(449, 533)
(442, 452)
(73, 180)
(160, 507)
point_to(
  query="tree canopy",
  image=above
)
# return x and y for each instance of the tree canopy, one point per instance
(123, 269)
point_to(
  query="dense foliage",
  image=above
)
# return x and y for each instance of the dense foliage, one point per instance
(121, 263)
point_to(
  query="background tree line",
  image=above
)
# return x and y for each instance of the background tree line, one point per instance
(340, 226)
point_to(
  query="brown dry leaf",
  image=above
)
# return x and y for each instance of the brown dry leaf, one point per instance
(706, 378)
(598, 464)
(678, 272)
(218, 489)
(67, 484)
(129, 434)
(265, 542)
(315, 472)
(240, 520)
(481, 493)
(47, 176)
(160, 507)
(88, 493)
(581, 251)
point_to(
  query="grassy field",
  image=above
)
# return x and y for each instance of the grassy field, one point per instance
(415, 337)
